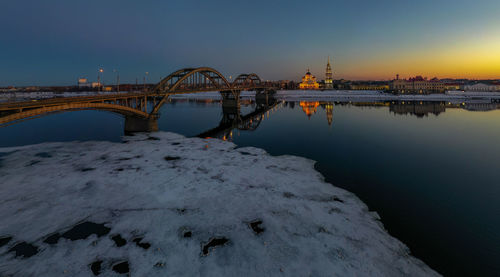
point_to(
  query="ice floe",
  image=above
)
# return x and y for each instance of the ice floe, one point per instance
(161, 204)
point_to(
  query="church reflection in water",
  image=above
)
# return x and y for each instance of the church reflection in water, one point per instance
(420, 109)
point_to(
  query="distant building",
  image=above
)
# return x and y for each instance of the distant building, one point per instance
(9, 89)
(286, 84)
(342, 84)
(417, 85)
(452, 86)
(369, 86)
(329, 76)
(309, 81)
(481, 87)
(83, 83)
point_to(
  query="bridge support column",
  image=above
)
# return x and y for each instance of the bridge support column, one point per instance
(231, 102)
(136, 124)
(262, 99)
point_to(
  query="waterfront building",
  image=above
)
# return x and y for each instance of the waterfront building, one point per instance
(286, 84)
(417, 85)
(482, 87)
(341, 84)
(452, 86)
(329, 76)
(83, 83)
(374, 85)
(309, 81)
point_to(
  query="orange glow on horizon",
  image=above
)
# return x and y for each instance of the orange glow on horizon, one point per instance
(473, 59)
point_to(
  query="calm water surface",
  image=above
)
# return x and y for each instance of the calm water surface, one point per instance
(432, 173)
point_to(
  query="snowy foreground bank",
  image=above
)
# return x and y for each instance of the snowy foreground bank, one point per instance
(165, 205)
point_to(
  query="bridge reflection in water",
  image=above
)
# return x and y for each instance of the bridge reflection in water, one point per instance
(141, 110)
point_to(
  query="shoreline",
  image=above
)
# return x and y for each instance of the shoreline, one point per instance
(276, 213)
(297, 95)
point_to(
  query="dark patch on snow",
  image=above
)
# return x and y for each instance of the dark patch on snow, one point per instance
(334, 210)
(87, 169)
(335, 198)
(119, 169)
(181, 210)
(212, 243)
(43, 155)
(159, 264)
(172, 158)
(103, 157)
(129, 158)
(121, 267)
(119, 241)
(185, 232)
(218, 177)
(255, 226)
(85, 229)
(24, 249)
(246, 153)
(203, 170)
(143, 245)
(52, 239)
(176, 143)
(33, 162)
(95, 267)
(288, 194)
(153, 138)
(323, 230)
(326, 199)
(4, 240)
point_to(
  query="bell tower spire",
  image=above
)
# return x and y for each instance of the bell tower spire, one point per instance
(328, 75)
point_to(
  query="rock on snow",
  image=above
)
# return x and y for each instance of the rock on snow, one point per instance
(165, 205)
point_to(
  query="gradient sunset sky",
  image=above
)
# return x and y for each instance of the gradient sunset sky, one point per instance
(53, 42)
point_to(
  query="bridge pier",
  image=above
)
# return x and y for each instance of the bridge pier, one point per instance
(265, 98)
(135, 124)
(262, 99)
(231, 102)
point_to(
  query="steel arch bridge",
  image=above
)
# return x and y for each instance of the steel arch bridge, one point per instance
(145, 105)
(191, 80)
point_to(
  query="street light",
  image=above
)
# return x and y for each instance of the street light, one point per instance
(99, 77)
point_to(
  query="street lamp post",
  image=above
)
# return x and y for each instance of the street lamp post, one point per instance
(99, 79)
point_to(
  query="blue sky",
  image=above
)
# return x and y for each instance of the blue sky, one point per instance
(57, 41)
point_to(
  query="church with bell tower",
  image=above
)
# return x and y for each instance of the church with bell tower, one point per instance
(329, 76)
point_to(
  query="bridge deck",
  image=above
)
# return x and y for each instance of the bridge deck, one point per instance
(56, 101)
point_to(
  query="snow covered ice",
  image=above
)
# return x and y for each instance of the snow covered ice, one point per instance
(161, 204)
